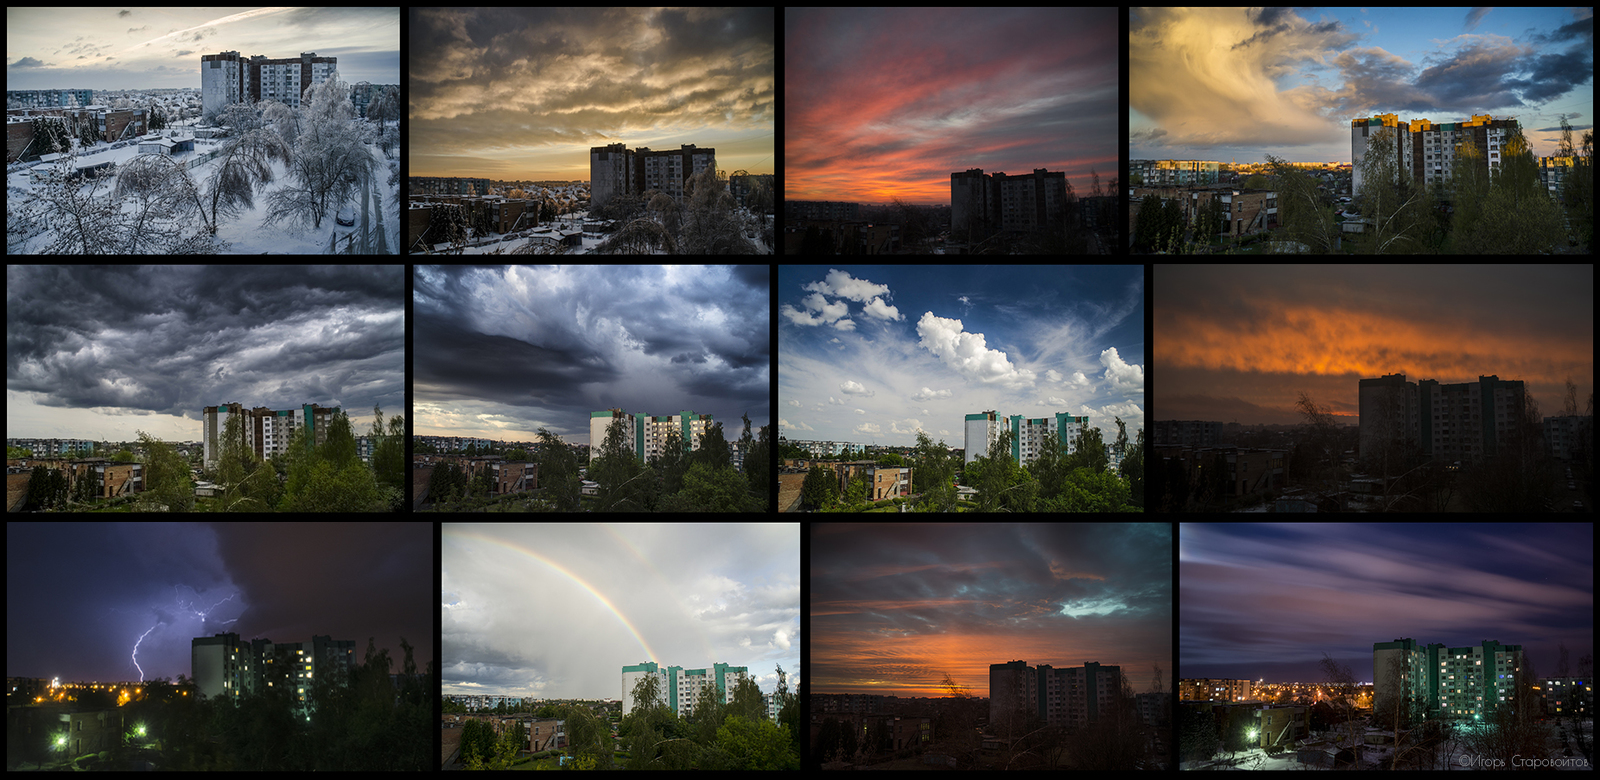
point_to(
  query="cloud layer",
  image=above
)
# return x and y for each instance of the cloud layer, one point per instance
(525, 92)
(888, 103)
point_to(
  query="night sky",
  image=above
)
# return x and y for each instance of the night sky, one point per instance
(896, 607)
(885, 103)
(1238, 343)
(99, 353)
(79, 596)
(501, 352)
(1267, 601)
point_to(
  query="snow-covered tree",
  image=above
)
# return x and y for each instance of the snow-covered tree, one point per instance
(330, 158)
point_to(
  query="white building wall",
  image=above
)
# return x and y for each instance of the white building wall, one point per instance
(630, 679)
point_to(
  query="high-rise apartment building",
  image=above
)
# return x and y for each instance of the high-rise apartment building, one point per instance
(1066, 696)
(617, 170)
(1018, 203)
(1465, 421)
(646, 435)
(1029, 435)
(228, 78)
(223, 665)
(1428, 149)
(681, 687)
(266, 431)
(1452, 682)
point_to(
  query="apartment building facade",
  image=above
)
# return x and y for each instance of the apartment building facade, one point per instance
(1071, 696)
(982, 202)
(229, 78)
(645, 436)
(1464, 683)
(1427, 149)
(681, 687)
(1028, 435)
(617, 170)
(266, 431)
(1465, 421)
(226, 666)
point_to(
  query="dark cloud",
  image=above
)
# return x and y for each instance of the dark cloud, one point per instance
(531, 347)
(174, 340)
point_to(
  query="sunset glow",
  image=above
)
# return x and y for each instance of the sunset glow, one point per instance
(896, 608)
(886, 103)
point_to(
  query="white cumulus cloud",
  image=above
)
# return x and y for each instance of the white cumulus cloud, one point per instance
(969, 353)
(1123, 376)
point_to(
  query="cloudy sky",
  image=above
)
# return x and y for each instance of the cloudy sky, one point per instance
(872, 353)
(97, 353)
(1266, 601)
(524, 93)
(884, 103)
(114, 47)
(1240, 343)
(1225, 83)
(159, 585)
(896, 607)
(557, 610)
(502, 352)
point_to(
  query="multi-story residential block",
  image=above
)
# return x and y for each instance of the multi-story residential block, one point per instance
(1067, 696)
(266, 431)
(1452, 682)
(681, 687)
(645, 436)
(1207, 689)
(1021, 202)
(225, 666)
(228, 78)
(1029, 435)
(1465, 421)
(617, 170)
(1567, 697)
(1427, 150)
(1566, 434)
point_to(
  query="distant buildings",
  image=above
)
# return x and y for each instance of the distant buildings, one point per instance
(1428, 149)
(224, 666)
(1069, 696)
(680, 686)
(984, 202)
(644, 435)
(1452, 682)
(617, 170)
(265, 431)
(228, 78)
(1028, 435)
(1466, 421)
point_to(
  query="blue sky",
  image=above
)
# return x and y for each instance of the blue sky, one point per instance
(1219, 83)
(872, 353)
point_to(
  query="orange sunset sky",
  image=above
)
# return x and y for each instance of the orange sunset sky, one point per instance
(896, 607)
(1240, 343)
(888, 102)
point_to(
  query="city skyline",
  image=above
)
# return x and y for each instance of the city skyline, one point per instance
(1268, 600)
(887, 103)
(160, 48)
(875, 353)
(1238, 344)
(1233, 83)
(154, 587)
(525, 93)
(556, 610)
(99, 353)
(501, 352)
(897, 607)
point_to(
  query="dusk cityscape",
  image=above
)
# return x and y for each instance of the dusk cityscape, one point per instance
(1304, 627)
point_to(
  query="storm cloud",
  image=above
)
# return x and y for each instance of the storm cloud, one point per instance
(502, 352)
(170, 341)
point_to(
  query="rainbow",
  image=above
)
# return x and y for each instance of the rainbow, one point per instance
(463, 534)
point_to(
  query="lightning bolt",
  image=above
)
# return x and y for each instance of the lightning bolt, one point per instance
(136, 650)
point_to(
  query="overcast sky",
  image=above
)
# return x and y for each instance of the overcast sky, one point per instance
(79, 597)
(525, 93)
(1266, 601)
(895, 607)
(874, 353)
(502, 352)
(1239, 343)
(115, 47)
(96, 353)
(1224, 83)
(556, 610)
